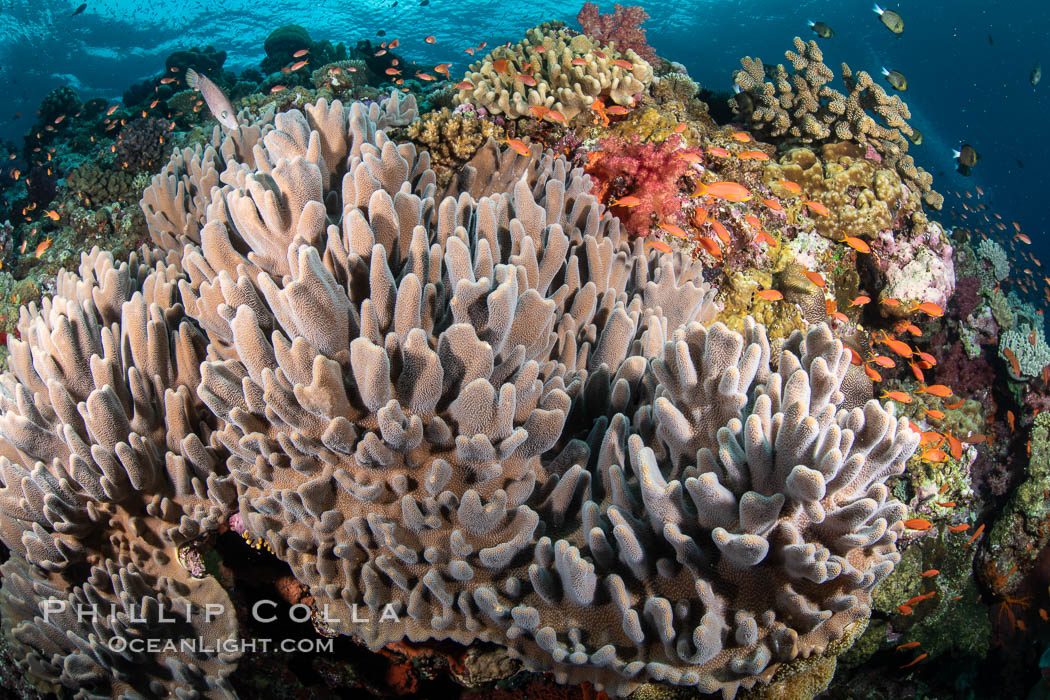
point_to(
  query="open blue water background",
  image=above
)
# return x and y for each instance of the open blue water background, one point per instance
(964, 87)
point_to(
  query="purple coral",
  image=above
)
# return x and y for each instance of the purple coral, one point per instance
(623, 26)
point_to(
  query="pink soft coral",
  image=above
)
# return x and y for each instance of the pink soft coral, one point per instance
(651, 172)
(623, 26)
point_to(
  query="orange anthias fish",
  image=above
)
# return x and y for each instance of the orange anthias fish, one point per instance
(907, 645)
(729, 191)
(914, 661)
(930, 309)
(856, 244)
(556, 116)
(872, 374)
(929, 573)
(720, 231)
(674, 230)
(467, 85)
(763, 237)
(299, 64)
(792, 187)
(710, 246)
(53, 215)
(935, 414)
(1014, 364)
(904, 609)
(500, 65)
(817, 208)
(753, 155)
(718, 152)
(959, 528)
(519, 147)
(938, 390)
(976, 534)
(883, 361)
(815, 278)
(898, 347)
(957, 404)
(896, 396)
(741, 136)
(769, 295)
(42, 246)
(621, 63)
(860, 301)
(935, 455)
(430, 39)
(773, 204)
(629, 201)
(659, 245)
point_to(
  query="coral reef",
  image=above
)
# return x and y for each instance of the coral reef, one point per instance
(555, 69)
(493, 411)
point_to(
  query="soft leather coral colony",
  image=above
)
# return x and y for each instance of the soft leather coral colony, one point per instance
(486, 407)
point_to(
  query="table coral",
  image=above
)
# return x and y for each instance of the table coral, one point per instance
(566, 74)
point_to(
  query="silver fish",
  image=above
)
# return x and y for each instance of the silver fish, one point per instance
(218, 103)
(1036, 75)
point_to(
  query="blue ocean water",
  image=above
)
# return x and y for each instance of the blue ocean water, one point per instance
(967, 63)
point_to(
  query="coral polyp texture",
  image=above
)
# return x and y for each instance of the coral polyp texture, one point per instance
(476, 413)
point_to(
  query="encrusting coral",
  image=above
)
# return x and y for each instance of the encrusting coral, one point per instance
(557, 69)
(802, 106)
(488, 413)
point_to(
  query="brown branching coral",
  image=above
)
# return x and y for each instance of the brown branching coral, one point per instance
(556, 69)
(801, 106)
(484, 416)
(452, 139)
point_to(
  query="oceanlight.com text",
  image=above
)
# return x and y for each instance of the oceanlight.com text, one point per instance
(215, 646)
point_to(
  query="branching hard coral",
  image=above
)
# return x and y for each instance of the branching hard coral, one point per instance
(107, 472)
(622, 28)
(556, 69)
(452, 139)
(802, 106)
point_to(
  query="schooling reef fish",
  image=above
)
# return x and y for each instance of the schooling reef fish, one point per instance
(1036, 75)
(891, 19)
(83, 6)
(822, 30)
(217, 101)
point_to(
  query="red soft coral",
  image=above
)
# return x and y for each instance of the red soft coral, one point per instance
(623, 26)
(652, 172)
